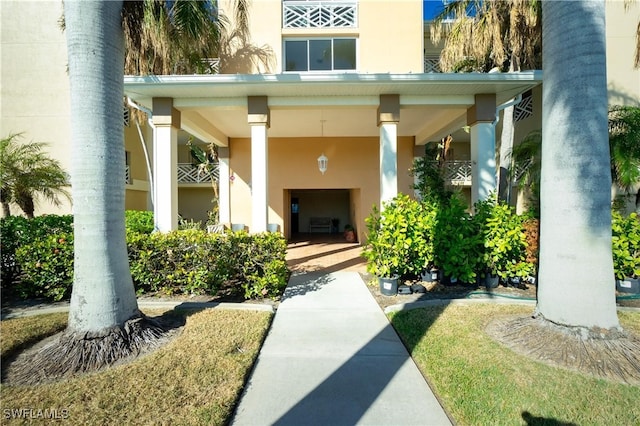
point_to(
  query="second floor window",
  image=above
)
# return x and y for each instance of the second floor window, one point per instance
(326, 54)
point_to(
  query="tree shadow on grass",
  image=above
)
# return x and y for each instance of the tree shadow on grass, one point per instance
(16, 362)
(532, 420)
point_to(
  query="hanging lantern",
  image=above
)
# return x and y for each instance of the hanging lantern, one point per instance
(323, 161)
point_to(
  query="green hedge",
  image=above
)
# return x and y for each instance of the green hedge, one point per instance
(179, 262)
(18, 231)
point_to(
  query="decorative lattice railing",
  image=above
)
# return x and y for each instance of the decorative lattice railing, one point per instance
(320, 14)
(457, 172)
(191, 173)
(127, 175)
(432, 64)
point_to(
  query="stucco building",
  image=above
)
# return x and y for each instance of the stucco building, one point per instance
(351, 82)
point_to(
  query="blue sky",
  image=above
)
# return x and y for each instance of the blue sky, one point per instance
(431, 8)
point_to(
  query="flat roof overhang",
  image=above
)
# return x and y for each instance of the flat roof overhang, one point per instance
(214, 107)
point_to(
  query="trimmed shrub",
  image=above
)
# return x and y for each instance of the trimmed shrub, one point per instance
(18, 231)
(47, 267)
(138, 221)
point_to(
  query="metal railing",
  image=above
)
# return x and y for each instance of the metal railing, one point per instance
(191, 173)
(320, 14)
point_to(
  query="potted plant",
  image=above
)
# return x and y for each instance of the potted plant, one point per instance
(349, 234)
(504, 254)
(457, 243)
(389, 249)
(625, 244)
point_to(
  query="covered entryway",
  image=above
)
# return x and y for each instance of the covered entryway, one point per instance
(319, 211)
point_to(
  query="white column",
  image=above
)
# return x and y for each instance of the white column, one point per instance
(388, 118)
(224, 207)
(259, 183)
(165, 164)
(483, 161)
(388, 161)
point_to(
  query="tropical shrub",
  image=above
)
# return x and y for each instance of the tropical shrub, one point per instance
(457, 241)
(504, 241)
(47, 267)
(139, 221)
(399, 238)
(625, 244)
(18, 231)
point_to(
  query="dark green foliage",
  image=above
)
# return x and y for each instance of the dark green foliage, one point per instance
(457, 241)
(429, 173)
(139, 221)
(47, 267)
(17, 231)
(195, 262)
(179, 262)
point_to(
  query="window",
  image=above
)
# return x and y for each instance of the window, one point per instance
(322, 54)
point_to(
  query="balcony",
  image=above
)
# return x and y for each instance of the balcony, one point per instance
(320, 14)
(432, 64)
(190, 173)
(457, 172)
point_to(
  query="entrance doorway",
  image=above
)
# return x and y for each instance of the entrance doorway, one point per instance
(319, 212)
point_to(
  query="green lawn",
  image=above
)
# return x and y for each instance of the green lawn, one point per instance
(481, 382)
(195, 379)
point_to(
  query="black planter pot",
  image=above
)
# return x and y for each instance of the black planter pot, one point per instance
(430, 275)
(628, 285)
(388, 286)
(491, 281)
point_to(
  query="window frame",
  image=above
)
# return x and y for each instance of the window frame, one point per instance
(332, 39)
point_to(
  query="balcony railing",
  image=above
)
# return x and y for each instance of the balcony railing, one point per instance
(191, 173)
(320, 14)
(432, 64)
(127, 175)
(457, 172)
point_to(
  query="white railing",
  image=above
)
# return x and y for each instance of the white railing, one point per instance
(212, 65)
(191, 173)
(127, 175)
(432, 64)
(320, 14)
(457, 172)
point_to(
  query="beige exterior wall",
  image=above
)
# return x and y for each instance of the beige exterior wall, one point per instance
(34, 88)
(391, 36)
(623, 79)
(389, 33)
(353, 165)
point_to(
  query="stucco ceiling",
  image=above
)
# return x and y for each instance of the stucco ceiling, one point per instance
(303, 105)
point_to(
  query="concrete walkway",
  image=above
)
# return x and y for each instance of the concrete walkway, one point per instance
(332, 358)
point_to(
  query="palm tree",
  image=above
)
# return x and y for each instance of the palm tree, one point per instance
(492, 34)
(624, 151)
(576, 287)
(26, 173)
(104, 324)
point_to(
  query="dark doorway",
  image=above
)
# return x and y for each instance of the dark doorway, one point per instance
(295, 215)
(320, 212)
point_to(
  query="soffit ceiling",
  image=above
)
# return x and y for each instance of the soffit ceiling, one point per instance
(308, 105)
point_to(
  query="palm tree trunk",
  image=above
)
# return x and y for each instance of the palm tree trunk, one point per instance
(576, 281)
(103, 296)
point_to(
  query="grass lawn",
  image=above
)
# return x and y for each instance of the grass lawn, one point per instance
(480, 382)
(195, 379)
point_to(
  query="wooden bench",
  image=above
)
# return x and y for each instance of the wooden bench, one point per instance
(322, 224)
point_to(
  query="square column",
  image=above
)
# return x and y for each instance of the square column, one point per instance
(258, 119)
(480, 119)
(388, 118)
(166, 120)
(224, 196)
